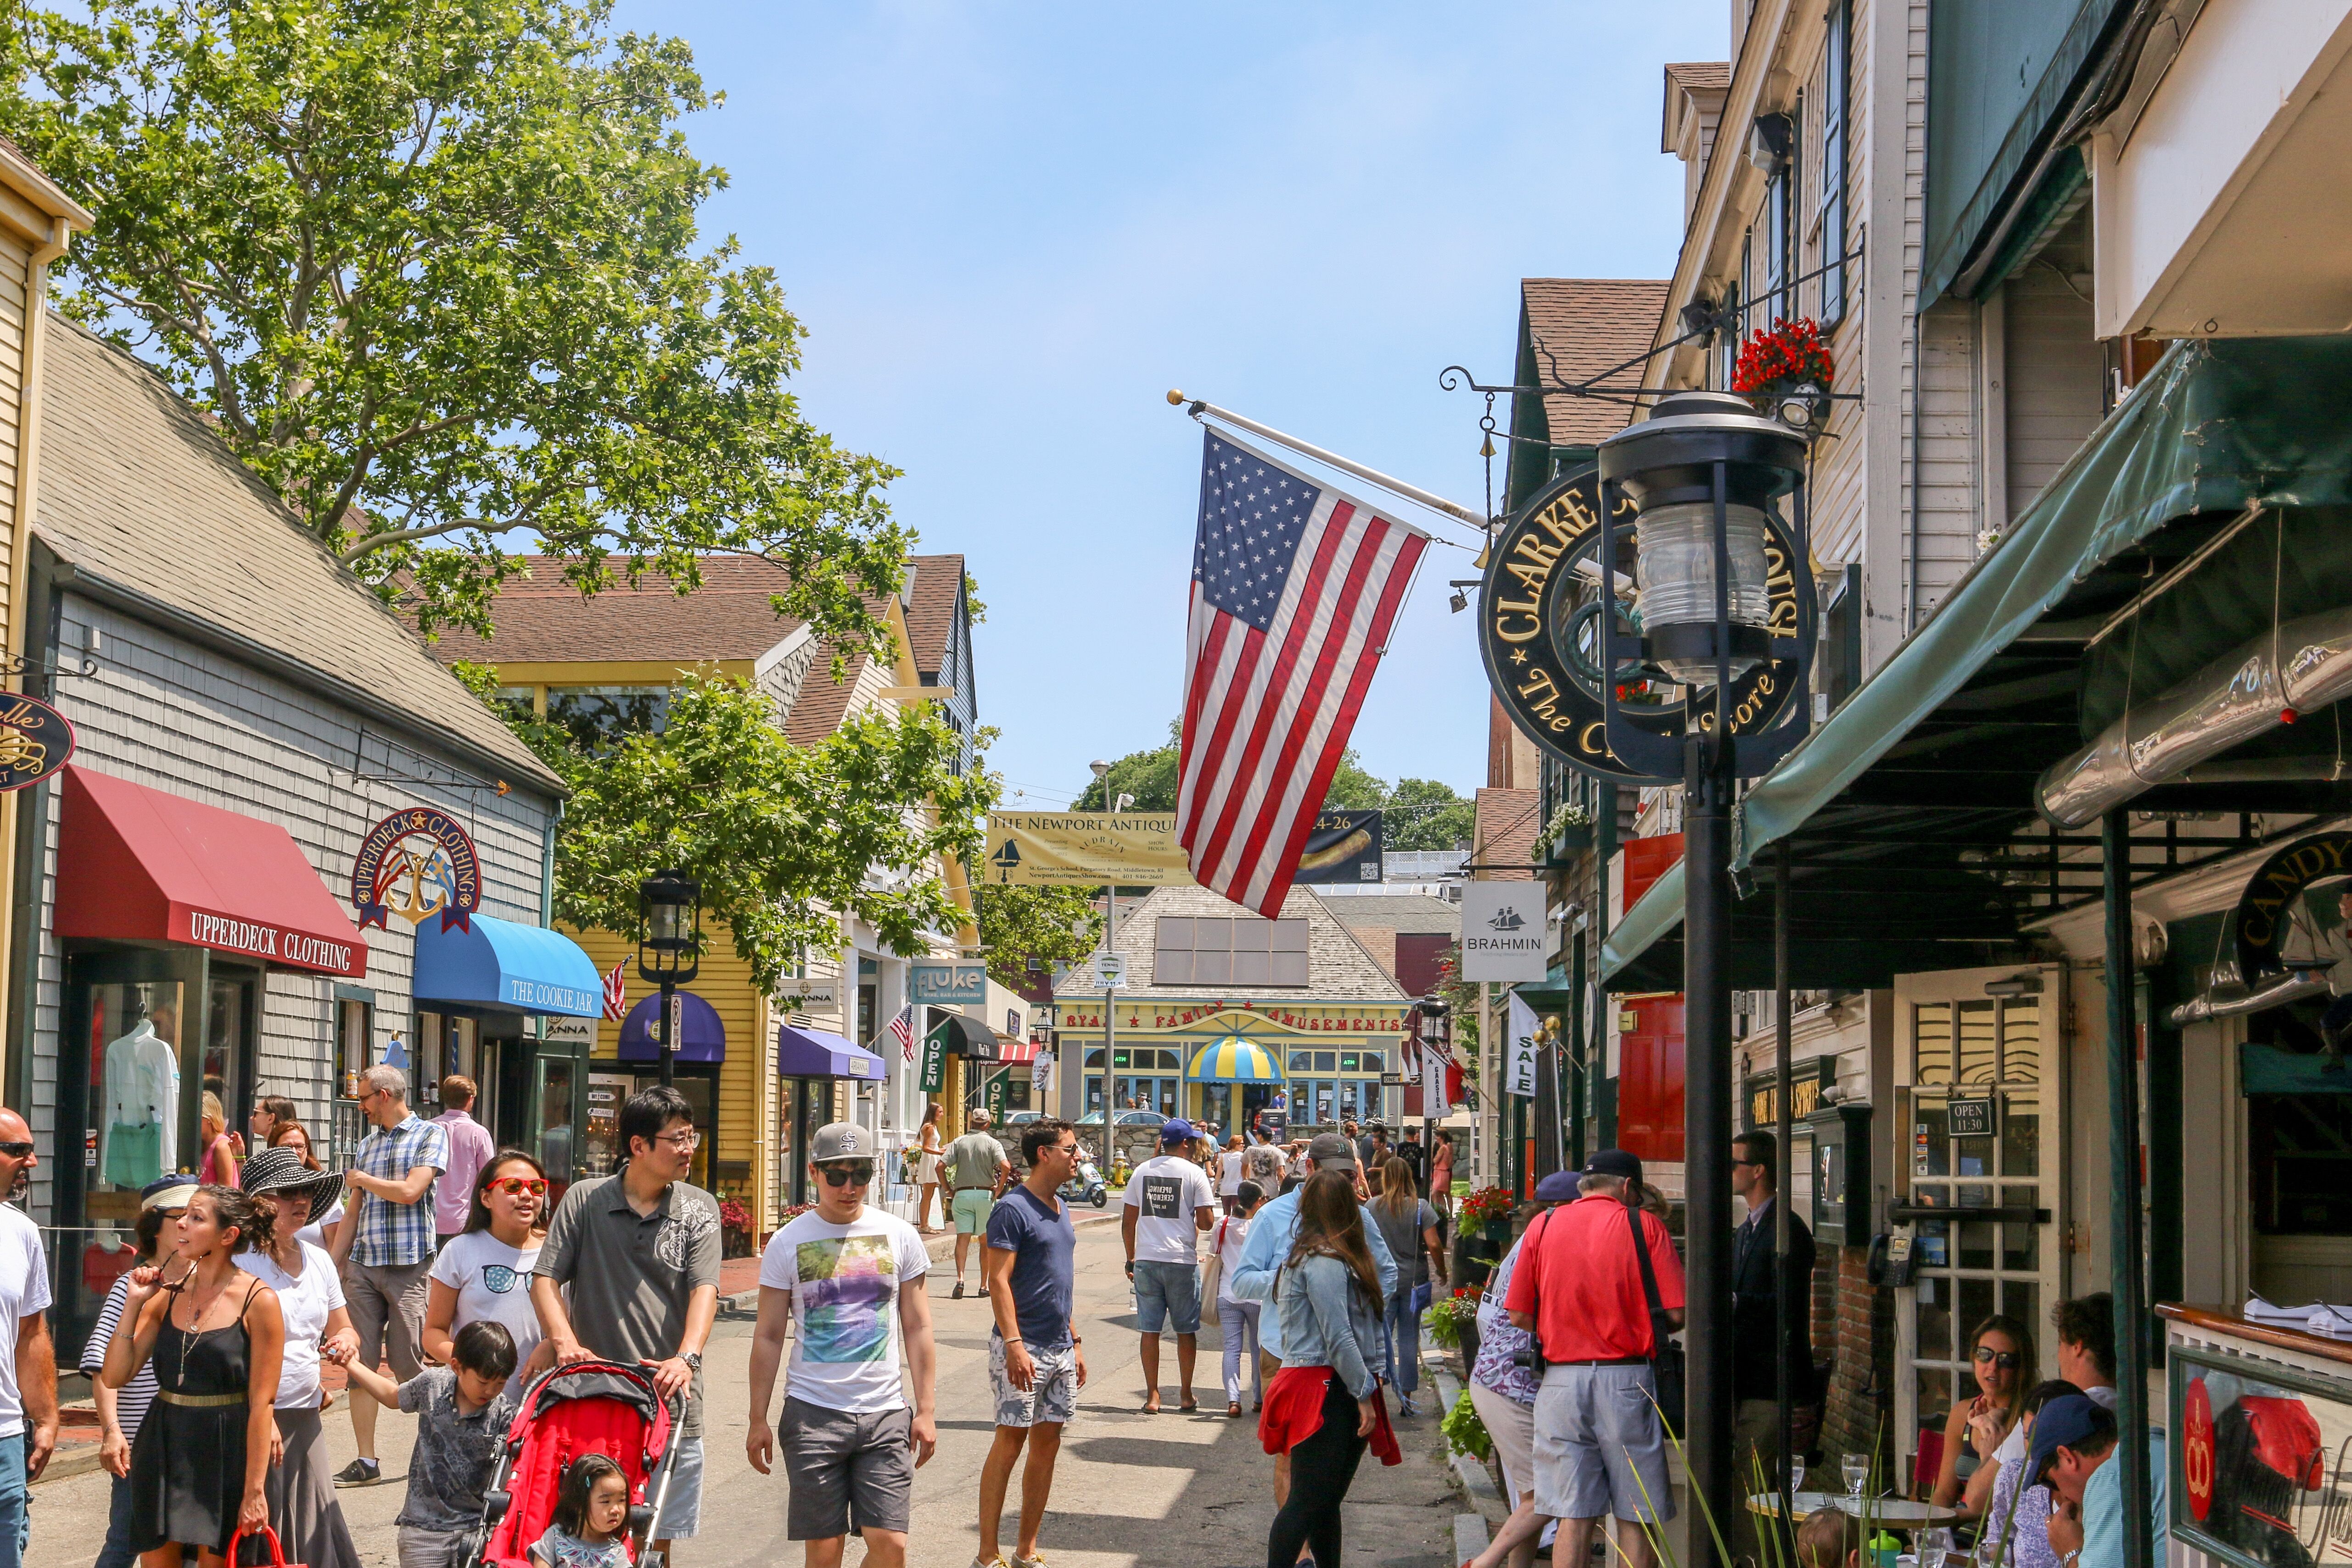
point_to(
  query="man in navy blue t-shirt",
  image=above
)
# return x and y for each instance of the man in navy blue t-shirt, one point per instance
(1036, 1362)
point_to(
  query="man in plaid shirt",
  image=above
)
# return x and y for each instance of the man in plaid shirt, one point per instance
(391, 1182)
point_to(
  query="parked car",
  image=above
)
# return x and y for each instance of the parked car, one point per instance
(1134, 1132)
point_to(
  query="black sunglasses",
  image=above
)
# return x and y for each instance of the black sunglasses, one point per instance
(848, 1175)
(15, 1151)
(2006, 1360)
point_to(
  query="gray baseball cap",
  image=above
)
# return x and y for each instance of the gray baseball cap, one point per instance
(841, 1141)
(1331, 1151)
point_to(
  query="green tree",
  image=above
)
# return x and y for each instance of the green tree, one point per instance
(1021, 926)
(433, 267)
(1150, 776)
(1425, 814)
(785, 840)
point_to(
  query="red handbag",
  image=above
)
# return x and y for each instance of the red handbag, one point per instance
(277, 1552)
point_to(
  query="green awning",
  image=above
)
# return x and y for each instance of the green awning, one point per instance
(2216, 427)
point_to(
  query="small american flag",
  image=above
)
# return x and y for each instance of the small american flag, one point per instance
(902, 1030)
(616, 991)
(1295, 587)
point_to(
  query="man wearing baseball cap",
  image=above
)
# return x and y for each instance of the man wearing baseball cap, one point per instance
(1272, 1231)
(838, 1273)
(1168, 1204)
(1600, 1447)
(2074, 1441)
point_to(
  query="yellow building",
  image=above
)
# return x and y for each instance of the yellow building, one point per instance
(36, 220)
(606, 665)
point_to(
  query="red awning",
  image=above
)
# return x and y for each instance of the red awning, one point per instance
(1011, 1049)
(139, 866)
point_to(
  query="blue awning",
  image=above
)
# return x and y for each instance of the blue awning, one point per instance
(814, 1053)
(701, 1036)
(501, 965)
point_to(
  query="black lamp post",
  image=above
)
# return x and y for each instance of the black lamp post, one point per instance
(669, 946)
(1702, 475)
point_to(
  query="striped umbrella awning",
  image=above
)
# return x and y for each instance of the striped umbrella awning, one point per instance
(1233, 1060)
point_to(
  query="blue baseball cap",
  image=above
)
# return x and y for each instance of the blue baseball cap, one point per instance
(2066, 1422)
(1175, 1130)
(1558, 1188)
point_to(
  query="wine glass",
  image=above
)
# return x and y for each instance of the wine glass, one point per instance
(1935, 1544)
(1856, 1468)
(1796, 1474)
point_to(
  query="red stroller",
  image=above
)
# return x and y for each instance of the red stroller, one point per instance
(587, 1407)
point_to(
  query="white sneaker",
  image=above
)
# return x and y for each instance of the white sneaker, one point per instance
(1036, 1561)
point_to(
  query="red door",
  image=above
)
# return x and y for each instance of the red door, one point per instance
(1650, 1077)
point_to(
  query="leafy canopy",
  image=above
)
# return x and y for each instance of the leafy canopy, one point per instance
(785, 840)
(433, 267)
(1418, 814)
(1040, 926)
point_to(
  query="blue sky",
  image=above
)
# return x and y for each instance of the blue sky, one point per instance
(1011, 229)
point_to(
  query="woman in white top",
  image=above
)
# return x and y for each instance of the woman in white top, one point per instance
(484, 1271)
(928, 1174)
(301, 1484)
(1238, 1317)
(1229, 1171)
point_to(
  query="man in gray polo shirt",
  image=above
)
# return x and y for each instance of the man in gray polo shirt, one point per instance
(640, 1251)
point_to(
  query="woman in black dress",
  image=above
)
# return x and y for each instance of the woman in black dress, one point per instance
(202, 1456)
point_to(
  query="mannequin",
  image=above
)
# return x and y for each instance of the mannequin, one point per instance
(141, 1116)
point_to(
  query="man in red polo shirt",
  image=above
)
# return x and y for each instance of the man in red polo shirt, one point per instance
(1600, 1447)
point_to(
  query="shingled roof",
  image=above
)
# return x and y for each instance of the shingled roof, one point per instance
(1580, 327)
(1504, 835)
(543, 619)
(1338, 968)
(1700, 75)
(139, 497)
(930, 609)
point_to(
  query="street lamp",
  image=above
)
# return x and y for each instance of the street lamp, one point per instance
(1702, 475)
(669, 946)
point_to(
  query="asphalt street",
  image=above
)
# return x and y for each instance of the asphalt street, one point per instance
(1130, 1489)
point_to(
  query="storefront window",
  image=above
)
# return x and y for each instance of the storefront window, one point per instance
(555, 1117)
(601, 1139)
(135, 1067)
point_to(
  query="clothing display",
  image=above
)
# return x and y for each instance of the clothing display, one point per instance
(140, 1120)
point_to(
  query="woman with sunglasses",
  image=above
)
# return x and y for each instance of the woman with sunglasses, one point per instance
(483, 1272)
(2000, 1354)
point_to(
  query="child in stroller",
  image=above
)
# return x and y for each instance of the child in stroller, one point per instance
(598, 1429)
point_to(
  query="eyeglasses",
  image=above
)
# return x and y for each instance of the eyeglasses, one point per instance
(683, 1142)
(2006, 1360)
(515, 1186)
(850, 1175)
(15, 1151)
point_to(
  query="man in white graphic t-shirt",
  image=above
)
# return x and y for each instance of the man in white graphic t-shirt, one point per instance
(839, 1274)
(1168, 1203)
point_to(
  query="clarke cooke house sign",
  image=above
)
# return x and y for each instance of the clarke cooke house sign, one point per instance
(1540, 636)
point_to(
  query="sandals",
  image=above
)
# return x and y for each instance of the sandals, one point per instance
(1233, 1409)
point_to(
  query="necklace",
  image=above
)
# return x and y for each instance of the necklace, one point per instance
(188, 1336)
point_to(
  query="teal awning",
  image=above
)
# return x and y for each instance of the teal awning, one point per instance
(504, 967)
(1935, 755)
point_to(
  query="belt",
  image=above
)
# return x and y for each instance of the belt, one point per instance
(984, 1187)
(1610, 1360)
(199, 1401)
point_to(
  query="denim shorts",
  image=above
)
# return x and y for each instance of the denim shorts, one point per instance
(1166, 1295)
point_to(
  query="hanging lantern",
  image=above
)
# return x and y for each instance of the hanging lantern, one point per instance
(1699, 449)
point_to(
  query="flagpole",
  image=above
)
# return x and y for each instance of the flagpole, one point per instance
(1415, 493)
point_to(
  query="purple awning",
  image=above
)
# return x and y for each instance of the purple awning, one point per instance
(701, 1037)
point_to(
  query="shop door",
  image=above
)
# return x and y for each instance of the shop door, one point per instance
(1978, 1107)
(599, 1145)
(125, 1114)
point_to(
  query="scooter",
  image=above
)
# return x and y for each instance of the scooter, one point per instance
(1086, 1186)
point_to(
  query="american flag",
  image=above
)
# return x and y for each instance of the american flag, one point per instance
(902, 1030)
(1295, 587)
(616, 991)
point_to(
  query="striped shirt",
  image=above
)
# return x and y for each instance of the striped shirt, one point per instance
(130, 1401)
(394, 1235)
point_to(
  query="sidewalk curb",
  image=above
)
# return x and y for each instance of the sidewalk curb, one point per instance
(1467, 1469)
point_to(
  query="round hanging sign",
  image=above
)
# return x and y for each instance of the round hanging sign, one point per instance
(1540, 635)
(417, 863)
(2272, 906)
(35, 741)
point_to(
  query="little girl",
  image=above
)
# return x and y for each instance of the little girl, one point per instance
(590, 1510)
(1239, 1317)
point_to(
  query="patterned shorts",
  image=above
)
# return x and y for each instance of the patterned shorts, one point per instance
(1052, 1396)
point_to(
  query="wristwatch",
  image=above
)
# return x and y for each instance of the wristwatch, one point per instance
(693, 1359)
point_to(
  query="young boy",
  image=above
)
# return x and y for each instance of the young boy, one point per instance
(1829, 1539)
(462, 1415)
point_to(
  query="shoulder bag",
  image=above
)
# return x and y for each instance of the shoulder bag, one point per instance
(1213, 1276)
(1665, 1355)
